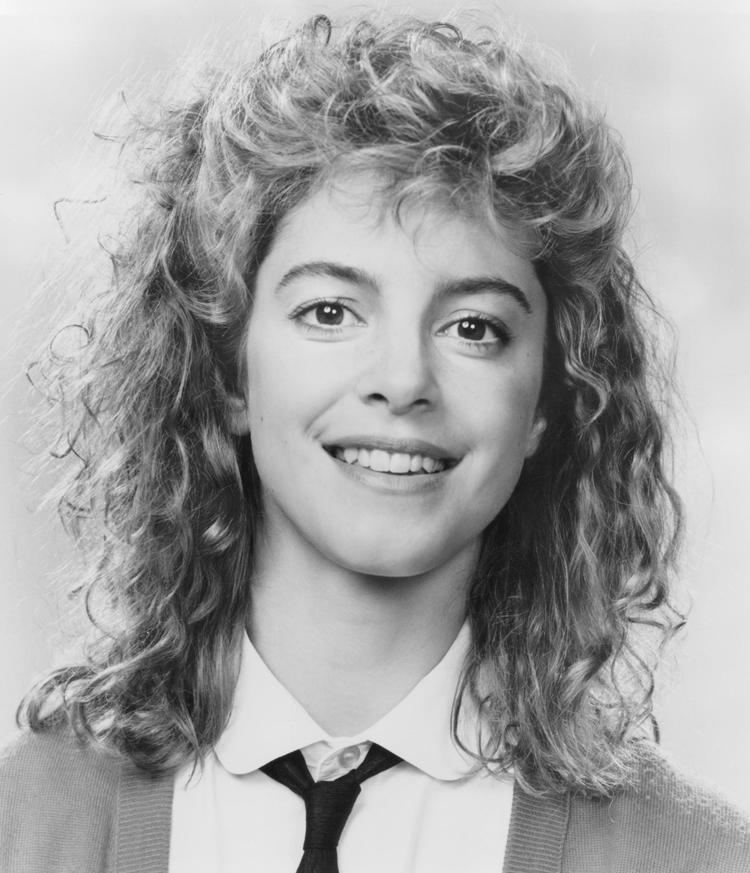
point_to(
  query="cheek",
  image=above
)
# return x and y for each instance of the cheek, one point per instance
(502, 420)
(290, 382)
(499, 412)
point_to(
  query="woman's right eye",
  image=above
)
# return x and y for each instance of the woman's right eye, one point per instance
(330, 316)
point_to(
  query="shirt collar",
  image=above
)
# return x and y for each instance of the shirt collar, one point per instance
(267, 721)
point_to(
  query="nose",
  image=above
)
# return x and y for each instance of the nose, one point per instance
(398, 372)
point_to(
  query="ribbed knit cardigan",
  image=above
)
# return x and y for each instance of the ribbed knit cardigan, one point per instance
(66, 808)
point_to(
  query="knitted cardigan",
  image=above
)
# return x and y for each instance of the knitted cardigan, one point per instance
(67, 808)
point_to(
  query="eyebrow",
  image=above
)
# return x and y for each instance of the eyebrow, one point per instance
(481, 284)
(343, 273)
(448, 288)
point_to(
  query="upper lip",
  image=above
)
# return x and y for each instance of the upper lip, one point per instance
(391, 444)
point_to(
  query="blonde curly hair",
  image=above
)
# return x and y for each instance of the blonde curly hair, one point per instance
(164, 499)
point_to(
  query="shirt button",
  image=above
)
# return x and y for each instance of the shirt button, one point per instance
(349, 757)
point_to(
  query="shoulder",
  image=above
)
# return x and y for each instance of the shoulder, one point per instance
(664, 821)
(58, 800)
(35, 752)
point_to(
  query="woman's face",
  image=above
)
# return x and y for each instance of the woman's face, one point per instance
(394, 371)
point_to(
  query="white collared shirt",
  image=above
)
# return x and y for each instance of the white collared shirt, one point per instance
(435, 812)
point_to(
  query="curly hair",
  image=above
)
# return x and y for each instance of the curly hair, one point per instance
(164, 497)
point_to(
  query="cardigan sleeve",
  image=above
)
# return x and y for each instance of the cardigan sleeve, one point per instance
(664, 823)
(58, 806)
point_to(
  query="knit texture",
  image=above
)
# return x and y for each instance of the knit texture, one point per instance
(665, 823)
(66, 808)
(536, 835)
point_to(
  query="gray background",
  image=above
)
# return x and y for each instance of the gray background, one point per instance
(676, 83)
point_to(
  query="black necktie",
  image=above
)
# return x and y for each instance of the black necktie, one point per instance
(327, 804)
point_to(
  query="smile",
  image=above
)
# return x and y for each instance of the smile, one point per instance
(399, 463)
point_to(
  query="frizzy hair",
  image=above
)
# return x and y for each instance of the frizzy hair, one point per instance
(163, 500)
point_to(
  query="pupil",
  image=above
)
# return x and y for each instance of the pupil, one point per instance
(329, 313)
(471, 329)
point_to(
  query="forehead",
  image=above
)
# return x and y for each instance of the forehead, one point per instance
(364, 217)
(377, 195)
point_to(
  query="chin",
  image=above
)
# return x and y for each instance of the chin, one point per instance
(396, 562)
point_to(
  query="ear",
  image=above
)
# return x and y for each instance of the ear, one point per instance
(238, 415)
(535, 434)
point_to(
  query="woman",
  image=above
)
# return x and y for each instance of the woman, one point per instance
(370, 459)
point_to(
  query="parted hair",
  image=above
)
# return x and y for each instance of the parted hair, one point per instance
(570, 602)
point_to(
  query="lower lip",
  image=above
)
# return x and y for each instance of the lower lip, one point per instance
(394, 483)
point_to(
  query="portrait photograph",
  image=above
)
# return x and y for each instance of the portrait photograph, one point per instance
(374, 422)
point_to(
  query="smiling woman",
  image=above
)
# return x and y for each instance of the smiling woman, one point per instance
(371, 490)
(397, 378)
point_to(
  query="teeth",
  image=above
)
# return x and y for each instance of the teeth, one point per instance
(400, 463)
(381, 461)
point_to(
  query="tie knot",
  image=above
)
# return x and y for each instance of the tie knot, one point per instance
(327, 807)
(327, 804)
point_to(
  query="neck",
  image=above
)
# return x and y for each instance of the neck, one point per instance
(346, 645)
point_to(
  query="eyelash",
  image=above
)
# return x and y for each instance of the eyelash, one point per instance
(503, 334)
(312, 305)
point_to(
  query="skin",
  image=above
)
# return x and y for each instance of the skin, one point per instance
(372, 332)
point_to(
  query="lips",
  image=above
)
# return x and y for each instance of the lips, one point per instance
(396, 458)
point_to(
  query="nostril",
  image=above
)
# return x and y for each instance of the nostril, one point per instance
(399, 386)
(395, 405)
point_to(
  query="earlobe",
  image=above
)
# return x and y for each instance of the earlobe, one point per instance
(535, 435)
(238, 415)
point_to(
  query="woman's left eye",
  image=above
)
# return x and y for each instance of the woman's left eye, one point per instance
(475, 329)
(325, 315)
